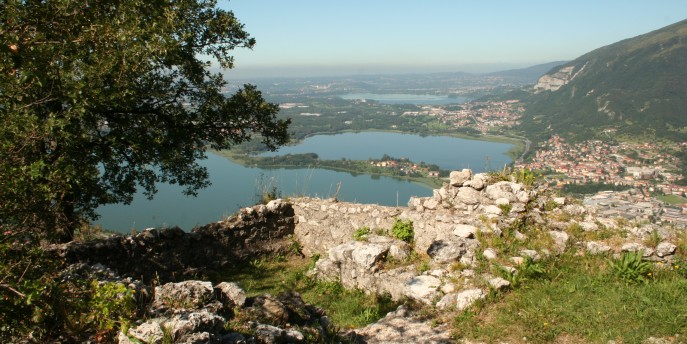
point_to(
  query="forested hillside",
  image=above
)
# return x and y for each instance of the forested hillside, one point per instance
(636, 87)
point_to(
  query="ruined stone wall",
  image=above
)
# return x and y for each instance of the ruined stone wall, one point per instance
(171, 254)
(453, 211)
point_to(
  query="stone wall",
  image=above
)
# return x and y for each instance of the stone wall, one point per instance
(171, 254)
(452, 212)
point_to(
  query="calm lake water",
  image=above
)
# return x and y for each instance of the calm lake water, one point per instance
(235, 186)
(416, 99)
(449, 153)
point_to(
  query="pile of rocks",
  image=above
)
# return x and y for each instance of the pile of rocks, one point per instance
(198, 312)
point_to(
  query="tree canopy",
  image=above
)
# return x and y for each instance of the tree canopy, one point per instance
(101, 97)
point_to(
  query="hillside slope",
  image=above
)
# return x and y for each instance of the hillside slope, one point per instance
(637, 86)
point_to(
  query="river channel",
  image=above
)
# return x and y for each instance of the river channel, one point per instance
(235, 186)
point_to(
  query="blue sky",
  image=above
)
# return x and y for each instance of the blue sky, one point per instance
(337, 37)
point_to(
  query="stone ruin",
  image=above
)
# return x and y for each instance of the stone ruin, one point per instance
(436, 269)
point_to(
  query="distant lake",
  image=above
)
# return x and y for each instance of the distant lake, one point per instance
(235, 186)
(447, 152)
(400, 98)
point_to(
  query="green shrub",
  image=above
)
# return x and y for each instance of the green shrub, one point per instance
(525, 177)
(403, 230)
(630, 267)
(111, 304)
(361, 233)
(35, 302)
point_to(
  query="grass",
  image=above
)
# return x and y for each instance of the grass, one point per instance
(346, 308)
(672, 199)
(579, 300)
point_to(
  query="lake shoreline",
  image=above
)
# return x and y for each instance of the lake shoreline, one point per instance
(241, 160)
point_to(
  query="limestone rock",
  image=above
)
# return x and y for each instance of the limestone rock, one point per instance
(502, 201)
(575, 209)
(594, 247)
(422, 288)
(401, 327)
(468, 196)
(269, 334)
(194, 323)
(490, 254)
(182, 295)
(148, 332)
(446, 251)
(457, 178)
(465, 231)
(493, 210)
(230, 291)
(665, 249)
(478, 181)
(531, 254)
(637, 247)
(499, 283)
(271, 308)
(448, 301)
(327, 269)
(522, 196)
(368, 255)
(430, 204)
(517, 260)
(466, 298)
(363, 254)
(503, 189)
(588, 226)
(394, 281)
(560, 239)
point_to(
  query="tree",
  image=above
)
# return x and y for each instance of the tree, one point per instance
(100, 97)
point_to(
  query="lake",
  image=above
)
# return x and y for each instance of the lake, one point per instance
(235, 186)
(450, 153)
(400, 98)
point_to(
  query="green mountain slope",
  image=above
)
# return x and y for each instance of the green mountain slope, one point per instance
(637, 86)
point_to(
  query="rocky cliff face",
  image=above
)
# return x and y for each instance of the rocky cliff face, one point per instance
(554, 81)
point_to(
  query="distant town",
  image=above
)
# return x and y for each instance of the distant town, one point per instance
(644, 175)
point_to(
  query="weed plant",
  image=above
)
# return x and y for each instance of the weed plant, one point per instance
(631, 268)
(266, 190)
(403, 230)
(361, 234)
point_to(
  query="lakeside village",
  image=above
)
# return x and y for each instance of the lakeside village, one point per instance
(642, 170)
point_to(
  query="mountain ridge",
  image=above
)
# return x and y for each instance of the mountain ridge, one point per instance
(636, 86)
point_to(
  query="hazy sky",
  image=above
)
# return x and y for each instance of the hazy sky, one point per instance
(337, 37)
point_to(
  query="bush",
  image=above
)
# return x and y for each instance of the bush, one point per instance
(630, 267)
(403, 230)
(37, 302)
